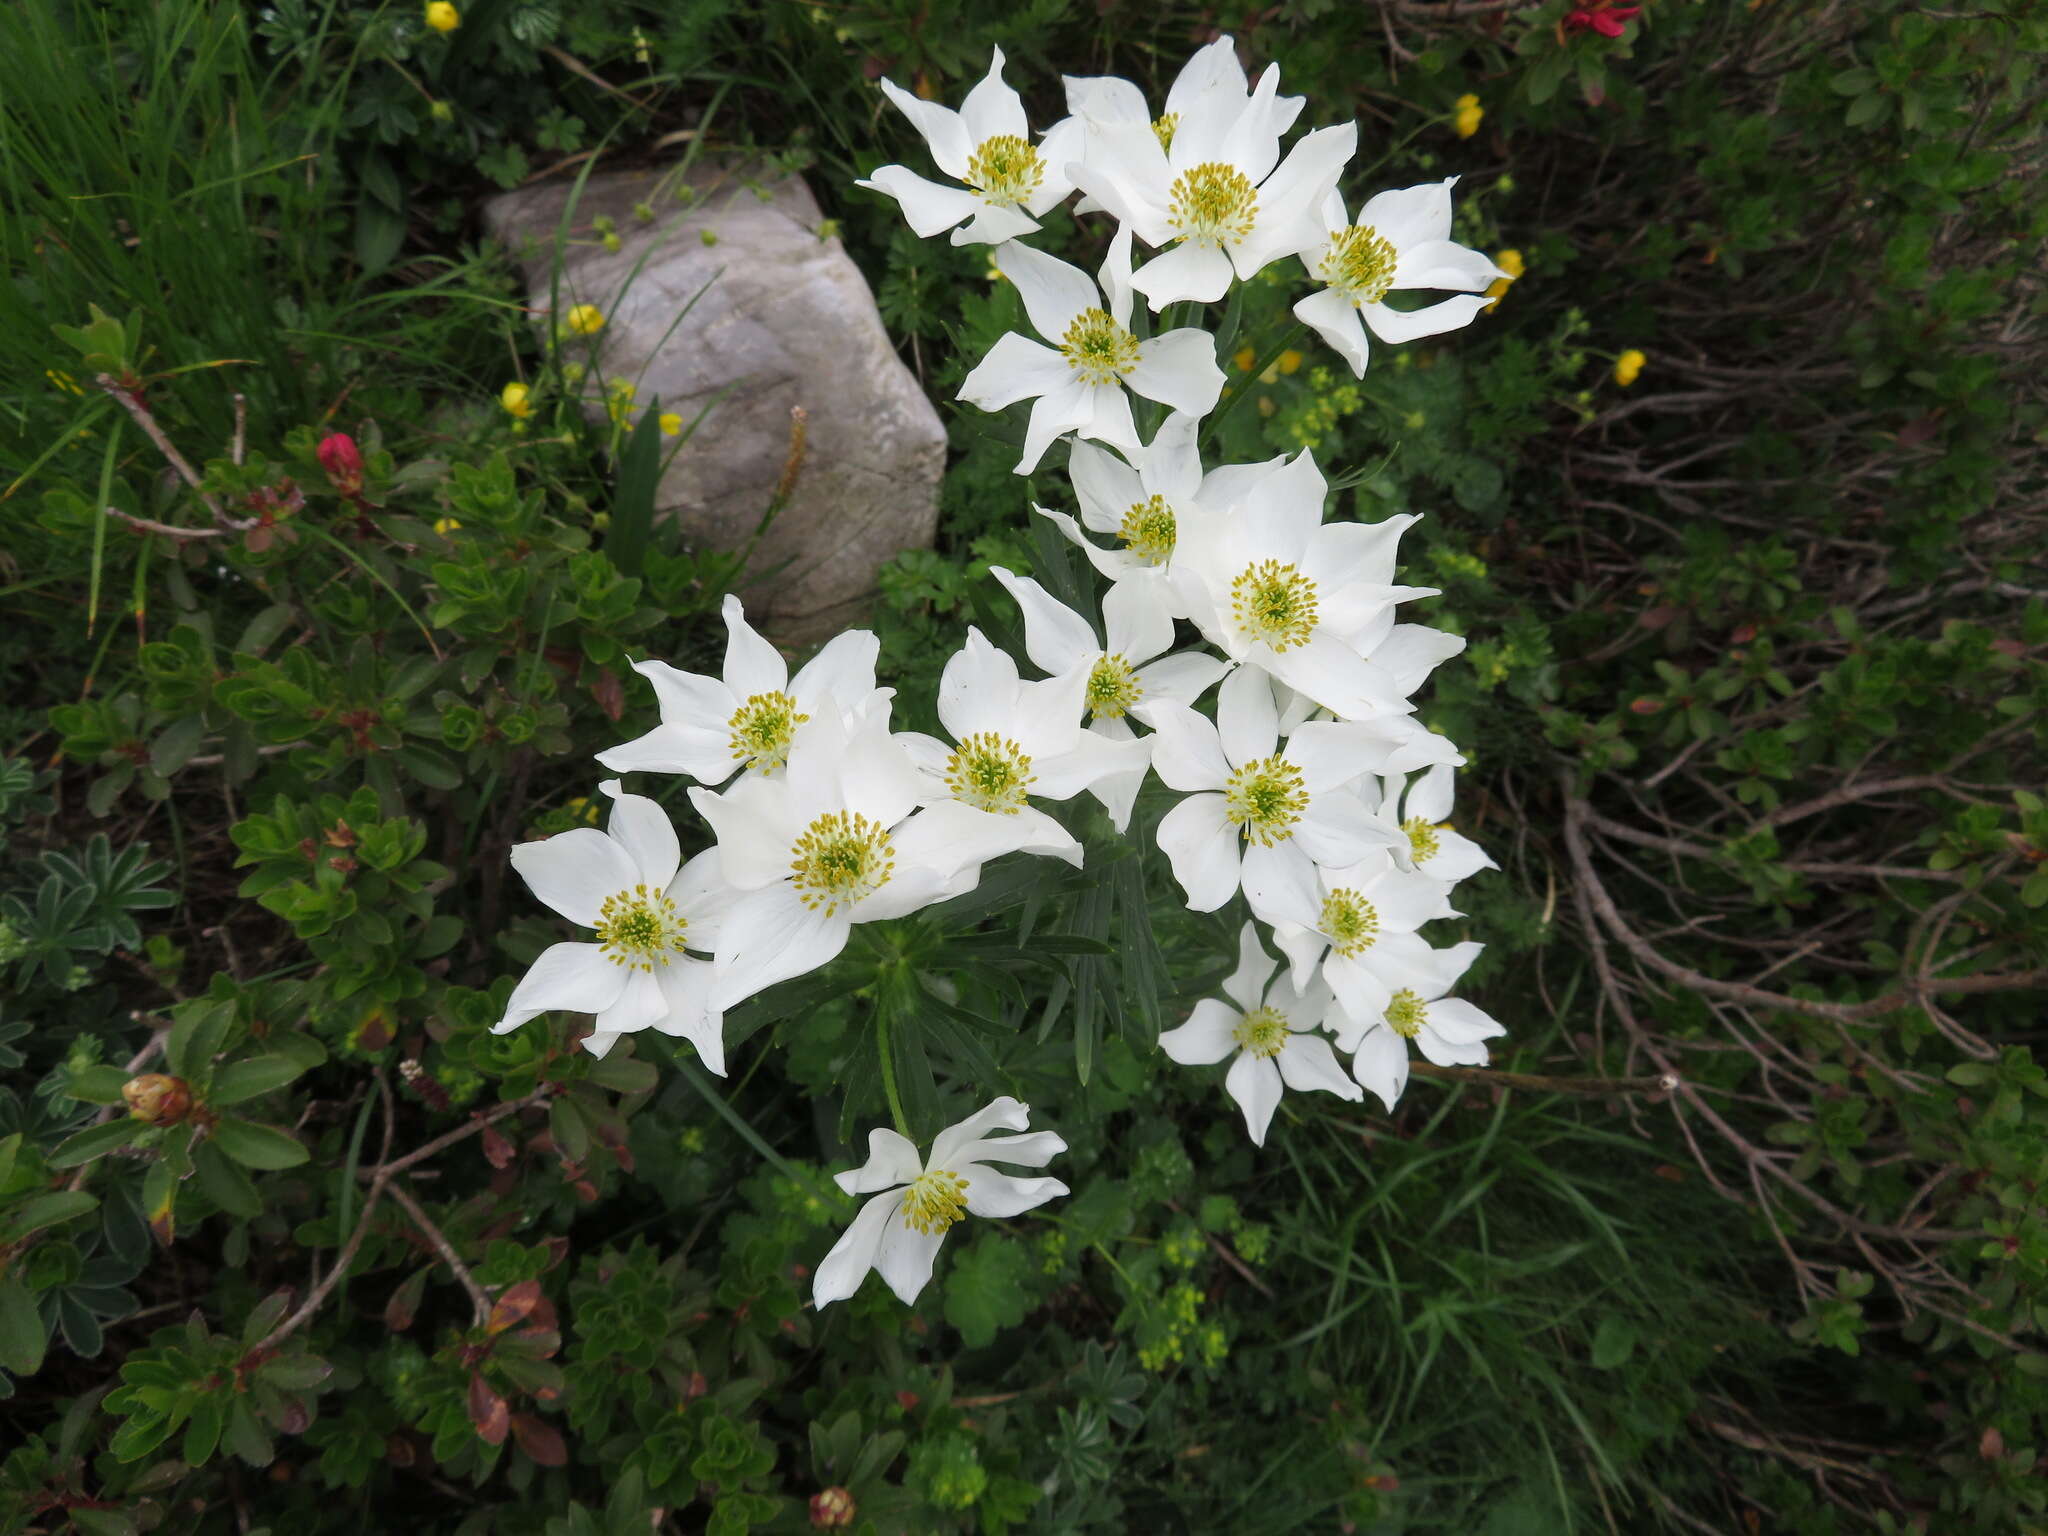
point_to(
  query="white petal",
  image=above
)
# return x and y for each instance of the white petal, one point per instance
(1430, 796)
(1202, 847)
(1280, 882)
(1090, 761)
(1209, 1035)
(1114, 276)
(971, 836)
(892, 1163)
(1246, 986)
(841, 1271)
(1444, 264)
(992, 225)
(1179, 679)
(1303, 948)
(1396, 326)
(992, 108)
(1411, 215)
(1360, 993)
(999, 1195)
(1104, 486)
(1445, 1052)
(1461, 1023)
(839, 676)
(1336, 677)
(1284, 508)
(1292, 197)
(929, 208)
(1109, 417)
(1412, 651)
(1186, 753)
(1457, 857)
(1108, 98)
(877, 778)
(977, 686)
(1179, 369)
(1247, 720)
(1053, 291)
(755, 828)
(1070, 408)
(771, 936)
(906, 1258)
(1183, 271)
(704, 753)
(1308, 1065)
(686, 990)
(1055, 637)
(1335, 318)
(575, 872)
(1211, 77)
(1064, 142)
(944, 133)
(643, 829)
(1330, 753)
(1381, 1064)
(1016, 368)
(1255, 1083)
(576, 978)
(639, 1005)
(1003, 1113)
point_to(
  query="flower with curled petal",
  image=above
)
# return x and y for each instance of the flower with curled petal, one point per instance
(1078, 384)
(650, 911)
(1420, 810)
(913, 1202)
(1447, 1030)
(746, 720)
(1362, 940)
(1273, 1033)
(1008, 183)
(1402, 240)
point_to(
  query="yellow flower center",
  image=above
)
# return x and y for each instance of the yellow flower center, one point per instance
(1212, 204)
(1274, 603)
(1005, 170)
(1405, 1014)
(1266, 798)
(990, 773)
(639, 929)
(1359, 263)
(1351, 922)
(1422, 838)
(1162, 129)
(1112, 688)
(934, 1201)
(762, 729)
(841, 859)
(1263, 1032)
(1098, 349)
(1149, 530)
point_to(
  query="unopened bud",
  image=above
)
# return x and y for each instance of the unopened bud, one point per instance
(343, 462)
(157, 1098)
(831, 1509)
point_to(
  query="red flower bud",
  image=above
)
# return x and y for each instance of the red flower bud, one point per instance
(343, 463)
(832, 1509)
(1601, 16)
(159, 1099)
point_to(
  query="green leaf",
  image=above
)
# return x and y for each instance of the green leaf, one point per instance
(225, 1184)
(196, 1036)
(97, 1084)
(252, 1078)
(633, 497)
(258, 1146)
(40, 1211)
(1970, 1074)
(95, 1141)
(985, 1290)
(1613, 1342)
(22, 1340)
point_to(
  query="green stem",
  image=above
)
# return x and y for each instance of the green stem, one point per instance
(1215, 422)
(889, 1073)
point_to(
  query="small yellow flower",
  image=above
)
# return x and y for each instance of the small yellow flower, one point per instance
(443, 17)
(62, 380)
(1627, 366)
(517, 400)
(1469, 112)
(1509, 262)
(671, 423)
(586, 320)
(441, 112)
(1244, 359)
(445, 526)
(1290, 361)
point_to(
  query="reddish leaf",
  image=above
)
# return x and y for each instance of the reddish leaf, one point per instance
(498, 1148)
(539, 1441)
(295, 1417)
(1991, 1446)
(404, 1304)
(1658, 617)
(1646, 706)
(514, 1306)
(487, 1411)
(610, 694)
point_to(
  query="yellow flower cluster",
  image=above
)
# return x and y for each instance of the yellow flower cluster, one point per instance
(1509, 262)
(1467, 112)
(1627, 366)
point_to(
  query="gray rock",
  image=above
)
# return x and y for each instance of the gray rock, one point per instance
(781, 319)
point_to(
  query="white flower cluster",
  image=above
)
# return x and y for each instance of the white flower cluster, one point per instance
(1314, 790)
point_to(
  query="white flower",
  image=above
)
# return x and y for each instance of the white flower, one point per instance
(1078, 384)
(1141, 503)
(1013, 741)
(1447, 1030)
(1363, 937)
(1269, 583)
(1402, 240)
(828, 843)
(1428, 843)
(1285, 810)
(747, 719)
(1125, 677)
(915, 1202)
(1272, 1030)
(1010, 183)
(1216, 190)
(649, 909)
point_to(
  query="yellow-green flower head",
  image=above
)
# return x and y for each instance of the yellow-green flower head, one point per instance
(585, 320)
(1467, 114)
(517, 400)
(442, 16)
(671, 423)
(1627, 366)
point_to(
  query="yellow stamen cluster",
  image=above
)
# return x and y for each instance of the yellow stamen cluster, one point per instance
(841, 859)
(1163, 127)
(639, 929)
(1274, 603)
(1212, 204)
(1265, 798)
(1406, 1014)
(990, 773)
(1351, 922)
(1149, 530)
(1422, 838)
(1099, 350)
(762, 729)
(1005, 170)
(1113, 688)
(1359, 263)
(1263, 1032)
(934, 1201)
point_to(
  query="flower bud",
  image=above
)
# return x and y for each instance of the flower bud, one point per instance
(157, 1098)
(585, 320)
(832, 1509)
(1627, 366)
(517, 400)
(443, 17)
(343, 463)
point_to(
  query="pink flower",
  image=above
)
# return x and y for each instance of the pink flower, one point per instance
(1601, 16)
(343, 463)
